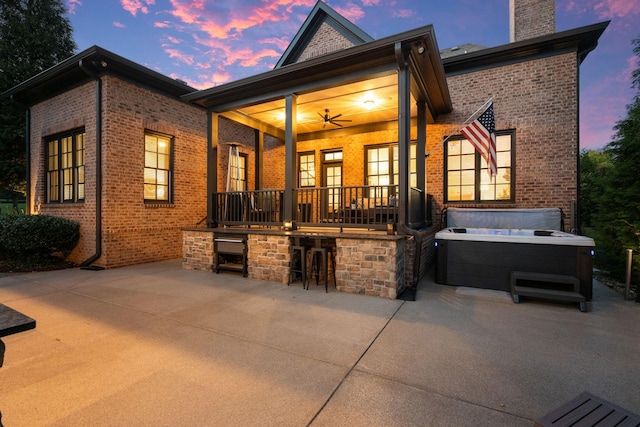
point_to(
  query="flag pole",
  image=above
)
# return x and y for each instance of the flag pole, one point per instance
(459, 127)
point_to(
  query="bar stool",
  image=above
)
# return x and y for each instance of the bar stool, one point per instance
(321, 254)
(299, 251)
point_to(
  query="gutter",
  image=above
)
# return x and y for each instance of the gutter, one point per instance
(98, 253)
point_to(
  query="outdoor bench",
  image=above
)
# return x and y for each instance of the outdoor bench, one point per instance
(589, 410)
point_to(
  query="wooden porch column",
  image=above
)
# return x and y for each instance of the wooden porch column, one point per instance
(421, 146)
(404, 135)
(290, 158)
(259, 171)
(212, 165)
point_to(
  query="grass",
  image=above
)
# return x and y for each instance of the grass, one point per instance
(6, 208)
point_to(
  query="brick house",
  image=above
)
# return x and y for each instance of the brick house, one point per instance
(331, 140)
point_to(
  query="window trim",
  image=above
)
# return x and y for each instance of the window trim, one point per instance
(60, 171)
(170, 198)
(312, 154)
(478, 171)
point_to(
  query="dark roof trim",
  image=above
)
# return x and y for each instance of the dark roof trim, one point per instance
(320, 13)
(581, 40)
(374, 55)
(83, 67)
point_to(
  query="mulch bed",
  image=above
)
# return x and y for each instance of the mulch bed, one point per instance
(54, 264)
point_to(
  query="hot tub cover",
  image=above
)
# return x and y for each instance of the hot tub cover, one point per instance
(537, 219)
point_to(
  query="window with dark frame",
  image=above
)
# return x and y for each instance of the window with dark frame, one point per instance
(158, 168)
(467, 179)
(65, 167)
(382, 166)
(307, 169)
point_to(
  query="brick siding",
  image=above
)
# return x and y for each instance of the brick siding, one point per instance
(538, 99)
(326, 40)
(531, 18)
(133, 232)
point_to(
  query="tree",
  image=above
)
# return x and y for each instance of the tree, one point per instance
(616, 216)
(34, 35)
(594, 166)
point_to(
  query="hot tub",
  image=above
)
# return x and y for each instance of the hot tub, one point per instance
(485, 257)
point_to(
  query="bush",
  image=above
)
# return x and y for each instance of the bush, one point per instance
(31, 240)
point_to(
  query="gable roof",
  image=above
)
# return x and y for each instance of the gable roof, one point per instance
(321, 14)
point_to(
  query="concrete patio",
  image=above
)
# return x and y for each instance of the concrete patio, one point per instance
(157, 345)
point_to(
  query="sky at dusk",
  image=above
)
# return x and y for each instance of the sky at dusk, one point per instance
(210, 42)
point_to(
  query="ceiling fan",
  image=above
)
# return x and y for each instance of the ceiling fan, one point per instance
(326, 118)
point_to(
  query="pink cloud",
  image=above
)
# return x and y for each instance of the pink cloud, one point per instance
(370, 2)
(625, 75)
(188, 12)
(608, 9)
(404, 13)
(173, 40)
(605, 9)
(352, 12)
(182, 57)
(118, 24)
(281, 43)
(163, 24)
(135, 6)
(205, 81)
(72, 5)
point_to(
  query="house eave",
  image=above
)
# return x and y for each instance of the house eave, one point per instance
(580, 40)
(83, 67)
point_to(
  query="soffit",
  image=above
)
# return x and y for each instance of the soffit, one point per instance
(359, 103)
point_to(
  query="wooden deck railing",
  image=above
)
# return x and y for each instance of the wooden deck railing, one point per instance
(371, 207)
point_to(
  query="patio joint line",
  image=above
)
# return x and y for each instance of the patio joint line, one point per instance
(353, 366)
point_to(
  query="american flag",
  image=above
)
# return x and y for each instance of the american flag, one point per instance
(481, 133)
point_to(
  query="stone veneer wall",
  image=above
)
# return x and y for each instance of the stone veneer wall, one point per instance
(370, 267)
(269, 257)
(197, 250)
(364, 266)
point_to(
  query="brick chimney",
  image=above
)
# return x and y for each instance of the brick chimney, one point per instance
(531, 18)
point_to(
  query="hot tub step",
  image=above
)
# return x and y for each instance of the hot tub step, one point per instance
(546, 287)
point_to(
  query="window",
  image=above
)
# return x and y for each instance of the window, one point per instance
(467, 179)
(65, 167)
(383, 167)
(158, 168)
(307, 172)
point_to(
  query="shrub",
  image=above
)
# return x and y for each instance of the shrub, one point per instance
(30, 240)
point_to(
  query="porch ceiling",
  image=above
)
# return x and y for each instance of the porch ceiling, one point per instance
(364, 102)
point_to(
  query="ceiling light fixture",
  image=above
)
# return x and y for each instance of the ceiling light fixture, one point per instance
(369, 103)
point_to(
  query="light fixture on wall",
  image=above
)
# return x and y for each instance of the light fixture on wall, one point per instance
(422, 49)
(287, 225)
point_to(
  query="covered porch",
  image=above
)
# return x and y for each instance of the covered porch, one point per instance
(330, 146)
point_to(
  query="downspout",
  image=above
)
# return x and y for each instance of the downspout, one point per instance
(402, 226)
(98, 253)
(27, 138)
(28, 159)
